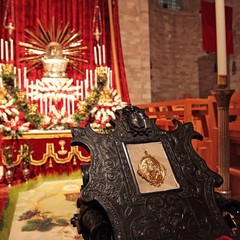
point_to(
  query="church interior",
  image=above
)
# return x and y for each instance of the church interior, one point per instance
(67, 65)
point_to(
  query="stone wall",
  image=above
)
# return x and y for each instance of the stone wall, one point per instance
(134, 27)
(163, 53)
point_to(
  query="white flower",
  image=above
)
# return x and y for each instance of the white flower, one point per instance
(8, 129)
(7, 111)
(5, 118)
(14, 110)
(23, 128)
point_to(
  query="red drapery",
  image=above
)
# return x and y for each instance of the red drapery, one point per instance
(209, 27)
(80, 14)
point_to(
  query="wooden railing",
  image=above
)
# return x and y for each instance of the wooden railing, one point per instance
(203, 114)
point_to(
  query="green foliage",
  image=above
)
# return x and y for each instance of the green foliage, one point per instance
(41, 225)
(83, 115)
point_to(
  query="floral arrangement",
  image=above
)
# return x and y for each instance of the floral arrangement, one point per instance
(12, 120)
(17, 115)
(57, 120)
(99, 107)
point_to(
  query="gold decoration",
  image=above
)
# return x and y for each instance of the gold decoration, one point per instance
(33, 109)
(21, 96)
(62, 151)
(7, 68)
(10, 28)
(81, 107)
(54, 42)
(105, 95)
(151, 170)
(3, 93)
(101, 71)
(50, 151)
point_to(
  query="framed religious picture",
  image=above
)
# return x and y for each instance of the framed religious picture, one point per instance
(151, 167)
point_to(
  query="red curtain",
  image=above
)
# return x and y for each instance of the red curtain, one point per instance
(79, 13)
(209, 27)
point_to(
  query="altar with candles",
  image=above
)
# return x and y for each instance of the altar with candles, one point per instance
(37, 114)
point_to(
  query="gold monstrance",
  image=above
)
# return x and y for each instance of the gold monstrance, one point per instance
(55, 48)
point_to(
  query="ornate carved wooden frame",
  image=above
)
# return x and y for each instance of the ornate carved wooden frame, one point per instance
(187, 212)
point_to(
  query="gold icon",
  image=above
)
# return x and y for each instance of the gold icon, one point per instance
(62, 151)
(152, 170)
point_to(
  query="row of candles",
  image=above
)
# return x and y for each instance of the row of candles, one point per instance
(7, 50)
(45, 99)
(99, 55)
(41, 92)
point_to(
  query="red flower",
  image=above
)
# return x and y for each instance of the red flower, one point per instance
(18, 123)
(15, 128)
(45, 126)
(21, 116)
(7, 124)
(102, 126)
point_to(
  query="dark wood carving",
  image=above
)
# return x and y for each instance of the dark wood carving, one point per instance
(111, 204)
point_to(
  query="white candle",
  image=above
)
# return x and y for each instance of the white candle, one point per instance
(104, 54)
(86, 87)
(31, 96)
(24, 76)
(11, 50)
(91, 79)
(73, 109)
(221, 38)
(68, 105)
(95, 77)
(95, 56)
(2, 49)
(46, 106)
(41, 104)
(50, 103)
(81, 90)
(27, 91)
(19, 78)
(6, 51)
(108, 78)
(87, 75)
(99, 55)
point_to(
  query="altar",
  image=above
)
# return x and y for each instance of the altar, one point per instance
(54, 77)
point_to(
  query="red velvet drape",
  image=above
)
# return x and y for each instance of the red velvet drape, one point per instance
(80, 15)
(209, 27)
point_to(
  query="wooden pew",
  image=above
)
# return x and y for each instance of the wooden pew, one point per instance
(203, 114)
